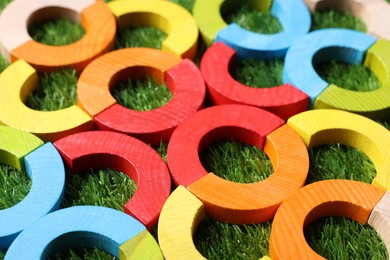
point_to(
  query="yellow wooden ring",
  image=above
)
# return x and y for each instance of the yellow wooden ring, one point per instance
(48, 125)
(325, 126)
(173, 19)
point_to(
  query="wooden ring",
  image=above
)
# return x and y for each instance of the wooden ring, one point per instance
(141, 246)
(102, 149)
(325, 126)
(183, 78)
(80, 226)
(344, 198)
(172, 18)
(319, 46)
(219, 196)
(52, 125)
(284, 101)
(16, 43)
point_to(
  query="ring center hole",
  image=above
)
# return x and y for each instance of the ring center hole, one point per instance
(140, 88)
(55, 26)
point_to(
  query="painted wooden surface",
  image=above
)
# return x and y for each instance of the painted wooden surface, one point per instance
(187, 85)
(210, 125)
(15, 144)
(326, 126)
(320, 46)
(284, 101)
(344, 198)
(141, 246)
(74, 227)
(96, 18)
(179, 218)
(247, 203)
(93, 87)
(173, 19)
(48, 125)
(380, 219)
(46, 171)
(102, 149)
(374, 104)
(374, 13)
(295, 19)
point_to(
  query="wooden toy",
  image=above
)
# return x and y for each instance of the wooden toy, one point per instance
(295, 20)
(243, 203)
(325, 126)
(179, 218)
(182, 78)
(48, 125)
(344, 198)
(16, 43)
(380, 220)
(141, 246)
(374, 104)
(15, 144)
(74, 227)
(102, 149)
(284, 101)
(172, 18)
(320, 46)
(374, 13)
(46, 171)
(209, 19)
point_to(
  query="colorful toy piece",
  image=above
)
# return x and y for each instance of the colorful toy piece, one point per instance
(173, 19)
(374, 13)
(48, 125)
(44, 166)
(102, 149)
(284, 101)
(74, 227)
(227, 201)
(16, 43)
(345, 198)
(380, 219)
(295, 20)
(324, 126)
(141, 246)
(182, 78)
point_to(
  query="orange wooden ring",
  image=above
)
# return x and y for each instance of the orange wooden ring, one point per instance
(237, 202)
(16, 43)
(344, 198)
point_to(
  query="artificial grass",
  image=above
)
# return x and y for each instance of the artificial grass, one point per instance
(214, 239)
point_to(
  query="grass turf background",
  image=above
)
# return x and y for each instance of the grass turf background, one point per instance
(334, 238)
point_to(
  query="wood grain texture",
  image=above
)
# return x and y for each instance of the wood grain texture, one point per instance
(247, 203)
(295, 19)
(102, 149)
(96, 18)
(75, 227)
(46, 171)
(94, 84)
(380, 219)
(345, 198)
(48, 125)
(326, 126)
(374, 13)
(15, 145)
(178, 221)
(320, 46)
(373, 104)
(173, 19)
(242, 123)
(284, 101)
(187, 85)
(141, 246)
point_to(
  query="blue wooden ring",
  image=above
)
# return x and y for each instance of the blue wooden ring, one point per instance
(46, 171)
(295, 19)
(80, 226)
(320, 46)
